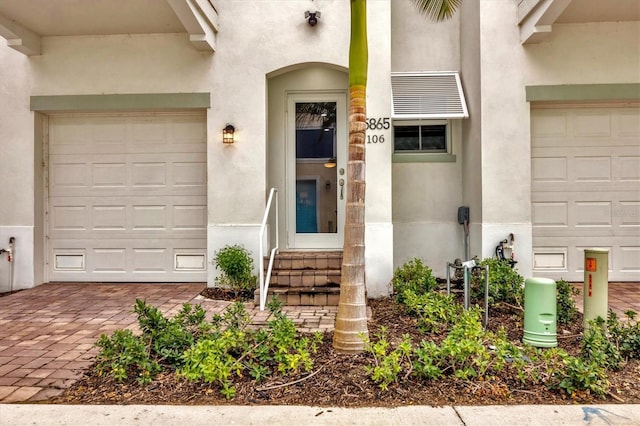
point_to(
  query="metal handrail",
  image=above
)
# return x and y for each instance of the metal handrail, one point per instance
(264, 281)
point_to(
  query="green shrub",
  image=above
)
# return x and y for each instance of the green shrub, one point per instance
(505, 284)
(566, 305)
(123, 356)
(415, 276)
(471, 353)
(582, 375)
(236, 265)
(463, 351)
(597, 348)
(216, 352)
(435, 311)
(625, 335)
(388, 363)
(231, 350)
(168, 338)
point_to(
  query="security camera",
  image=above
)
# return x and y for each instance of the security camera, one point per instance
(312, 17)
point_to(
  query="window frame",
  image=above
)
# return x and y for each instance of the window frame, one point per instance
(445, 155)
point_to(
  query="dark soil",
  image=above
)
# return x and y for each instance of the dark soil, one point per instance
(340, 380)
(217, 293)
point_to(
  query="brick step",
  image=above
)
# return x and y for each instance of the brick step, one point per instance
(297, 260)
(300, 278)
(305, 278)
(303, 296)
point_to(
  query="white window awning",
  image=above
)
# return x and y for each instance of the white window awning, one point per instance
(436, 95)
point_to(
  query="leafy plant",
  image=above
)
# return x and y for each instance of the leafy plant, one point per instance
(582, 375)
(213, 360)
(123, 356)
(435, 311)
(463, 352)
(597, 348)
(415, 276)
(388, 363)
(236, 265)
(216, 352)
(505, 284)
(168, 338)
(231, 349)
(566, 305)
(625, 335)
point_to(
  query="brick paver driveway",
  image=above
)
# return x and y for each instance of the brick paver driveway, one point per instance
(47, 333)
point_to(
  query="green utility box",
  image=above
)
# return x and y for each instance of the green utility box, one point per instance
(540, 314)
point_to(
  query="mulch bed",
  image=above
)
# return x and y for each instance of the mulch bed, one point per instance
(340, 380)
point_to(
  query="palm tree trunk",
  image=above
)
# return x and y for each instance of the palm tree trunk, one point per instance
(351, 320)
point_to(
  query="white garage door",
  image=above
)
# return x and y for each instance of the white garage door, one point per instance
(586, 190)
(127, 198)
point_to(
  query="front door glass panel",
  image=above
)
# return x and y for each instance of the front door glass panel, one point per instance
(315, 170)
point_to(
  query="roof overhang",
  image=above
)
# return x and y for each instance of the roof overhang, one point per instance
(25, 23)
(537, 17)
(433, 95)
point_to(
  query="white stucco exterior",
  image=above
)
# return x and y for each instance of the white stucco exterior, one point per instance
(264, 50)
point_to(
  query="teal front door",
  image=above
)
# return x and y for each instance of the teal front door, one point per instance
(306, 207)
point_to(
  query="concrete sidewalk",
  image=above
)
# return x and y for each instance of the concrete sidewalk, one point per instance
(97, 415)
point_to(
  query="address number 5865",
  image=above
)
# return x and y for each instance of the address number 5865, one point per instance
(378, 123)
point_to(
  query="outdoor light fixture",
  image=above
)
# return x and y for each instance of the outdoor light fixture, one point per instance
(227, 134)
(312, 17)
(331, 163)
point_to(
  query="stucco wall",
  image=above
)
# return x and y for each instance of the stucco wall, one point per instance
(420, 44)
(16, 169)
(16, 136)
(426, 195)
(471, 159)
(591, 53)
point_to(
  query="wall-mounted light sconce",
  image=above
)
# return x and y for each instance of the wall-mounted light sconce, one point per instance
(330, 163)
(312, 17)
(228, 134)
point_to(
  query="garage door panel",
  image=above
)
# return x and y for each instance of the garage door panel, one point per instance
(127, 198)
(549, 169)
(189, 173)
(109, 175)
(593, 214)
(124, 260)
(592, 168)
(630, 214)
(630, 259)
(630, 168)
(586, 189)
(550, 214)
(68, 175)
(179, 215)
(590, 123)
(108, 260)
(71, 177)
(628, 123)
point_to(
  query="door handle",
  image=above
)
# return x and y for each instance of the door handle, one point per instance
(341, 181)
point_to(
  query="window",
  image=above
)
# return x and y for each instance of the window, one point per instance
(421, 137)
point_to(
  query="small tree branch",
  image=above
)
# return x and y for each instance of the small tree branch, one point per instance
(282, 385)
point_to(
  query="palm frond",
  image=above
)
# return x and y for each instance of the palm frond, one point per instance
(438, 10)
